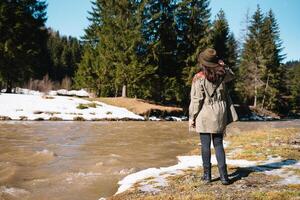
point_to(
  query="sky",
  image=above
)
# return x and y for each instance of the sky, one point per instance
(69, 17)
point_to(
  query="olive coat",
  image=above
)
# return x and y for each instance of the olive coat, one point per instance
(211, 111)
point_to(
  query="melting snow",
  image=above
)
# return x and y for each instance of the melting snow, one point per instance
(152, 178)
(31, 107)
(158, 175)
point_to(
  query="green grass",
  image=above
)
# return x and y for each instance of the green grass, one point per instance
(87, 105)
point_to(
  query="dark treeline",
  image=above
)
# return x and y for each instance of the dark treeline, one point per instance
(64, 53)
(148, 49)
(29, 50)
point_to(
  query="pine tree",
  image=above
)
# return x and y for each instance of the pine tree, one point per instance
(220, 36)
(114, 40)
(232, 51)
(292, 86)
(95, 70)
(159, 33)
(65, 54)
(225, 44)
(193, 21)
(273, 58)
(252, 66)
(23, 40)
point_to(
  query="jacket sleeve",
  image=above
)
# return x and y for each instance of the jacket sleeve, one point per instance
(197, 99)
(229, 75)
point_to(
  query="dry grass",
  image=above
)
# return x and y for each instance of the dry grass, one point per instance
(258, 145)
(189, 186)
(139, 106)
(276, 195)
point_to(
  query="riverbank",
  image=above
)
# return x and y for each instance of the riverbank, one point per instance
(38, 107)
(263, 164)
(142, 107)
(75, 105)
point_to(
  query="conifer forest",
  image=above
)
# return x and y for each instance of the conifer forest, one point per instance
(149, 49)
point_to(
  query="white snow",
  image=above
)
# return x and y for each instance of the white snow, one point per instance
(277, 167)
(158, 175)
(78, 93)
(38, 106)
(152, 178)
(154, 118)
(178, 119)
(62, 92)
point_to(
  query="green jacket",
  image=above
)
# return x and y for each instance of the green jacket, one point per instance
(211, 114)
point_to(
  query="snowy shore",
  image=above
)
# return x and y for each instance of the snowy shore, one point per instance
(152, 180)
(38, 106)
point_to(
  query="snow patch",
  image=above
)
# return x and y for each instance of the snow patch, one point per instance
(158, 175)
(35, 107)
(152, 178)
(153, 118)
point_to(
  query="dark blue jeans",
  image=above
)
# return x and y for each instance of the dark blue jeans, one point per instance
(218, 145)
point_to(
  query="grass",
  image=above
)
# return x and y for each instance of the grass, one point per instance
(87, 105)
(55, 119)
(139, 106)
(258, 145)
(78, 118)
(275, 195)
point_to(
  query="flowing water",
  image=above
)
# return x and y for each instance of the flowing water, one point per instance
(83, 160)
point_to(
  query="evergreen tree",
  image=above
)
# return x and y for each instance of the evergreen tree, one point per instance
(252, 66)
(23, 40)
(193, 21)
(225, 44)
(159, 33)
(65, 54)
(220, 36)
(273, 58)
(292, 86)
(260, 72)
(232, 51)
(114, 40)
(96, 69)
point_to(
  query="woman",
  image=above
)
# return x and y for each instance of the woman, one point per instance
(211, 110)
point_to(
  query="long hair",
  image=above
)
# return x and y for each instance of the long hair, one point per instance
(213, 74)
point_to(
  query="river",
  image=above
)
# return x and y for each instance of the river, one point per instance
(83, 160)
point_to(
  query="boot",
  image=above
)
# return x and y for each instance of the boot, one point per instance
(223, 175)
(206, 178)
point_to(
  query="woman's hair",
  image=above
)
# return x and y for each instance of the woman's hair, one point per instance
(213, 74)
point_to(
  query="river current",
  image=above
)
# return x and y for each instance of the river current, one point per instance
(83, 160)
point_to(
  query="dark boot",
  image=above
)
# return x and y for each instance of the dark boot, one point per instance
(206, 178)
(223, 175)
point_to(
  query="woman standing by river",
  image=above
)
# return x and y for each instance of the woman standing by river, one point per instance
(211, 110)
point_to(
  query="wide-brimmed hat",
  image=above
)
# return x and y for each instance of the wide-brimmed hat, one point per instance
(209, 58)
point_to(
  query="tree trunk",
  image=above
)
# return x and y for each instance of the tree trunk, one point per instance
(8, 87)
(124, 91)
(255, 91)
(267, 84)
(116, 91)
(255, 84)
